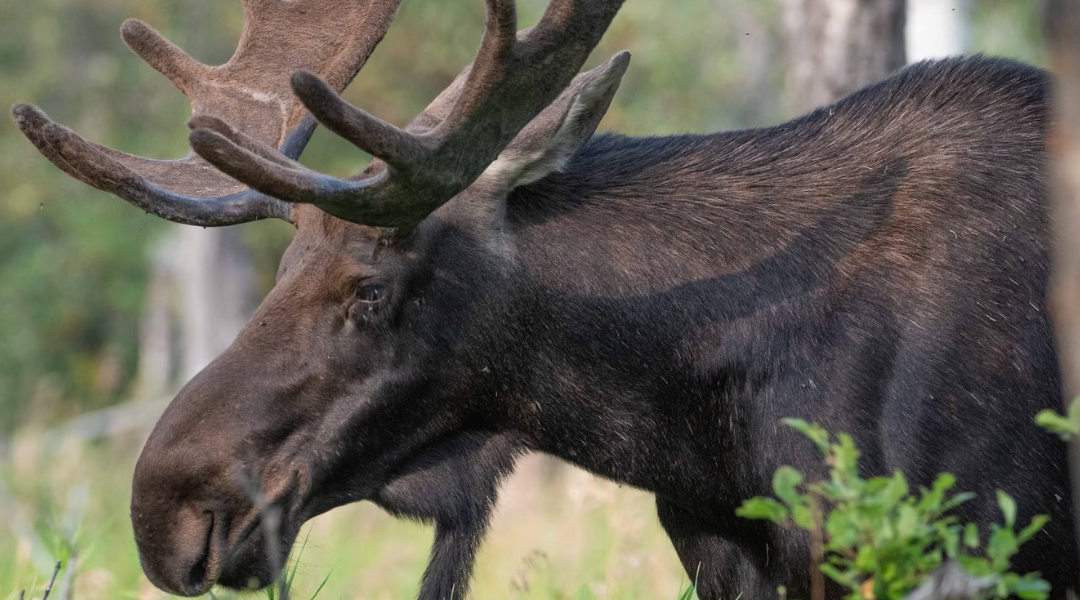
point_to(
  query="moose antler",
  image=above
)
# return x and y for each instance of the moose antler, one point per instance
(332, 38)
(513, 78)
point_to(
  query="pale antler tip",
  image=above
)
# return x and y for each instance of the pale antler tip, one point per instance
(209, 122)
(204, 139)
(305, 80)
(137, 34)
(161, 54)
(30, 119)
(25, 112)
(133, 27)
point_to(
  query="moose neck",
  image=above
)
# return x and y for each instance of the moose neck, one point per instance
(653, 269)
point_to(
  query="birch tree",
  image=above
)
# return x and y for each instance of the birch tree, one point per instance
(838, 46)
(1063, 27)
(937, 28)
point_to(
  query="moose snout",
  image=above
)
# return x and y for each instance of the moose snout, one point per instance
(185, 549)
(202, 488)
(180, 507)
(197, 525)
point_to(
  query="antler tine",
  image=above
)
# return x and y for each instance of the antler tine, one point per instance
(492, 62)
(248, 100)
(514, 77)
(365, 131)
(96, 165)
(243, 140)
(292, 182)
(164, 56)
(301, 185)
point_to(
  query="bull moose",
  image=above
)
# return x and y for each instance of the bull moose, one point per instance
(500, 280)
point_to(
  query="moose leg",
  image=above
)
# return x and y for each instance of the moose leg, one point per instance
(453, 484)
(721, 568)
(450, 566)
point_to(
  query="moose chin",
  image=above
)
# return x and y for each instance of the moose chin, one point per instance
(500, 280)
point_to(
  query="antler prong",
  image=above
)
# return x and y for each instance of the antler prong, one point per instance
(513, 79)
(365, 131)
(488, 69)
(96, 165)
(294, 183)
(161, 54)
(88, 159)
(241, 139)
(248, 99)
(500, 28)
(34, 124)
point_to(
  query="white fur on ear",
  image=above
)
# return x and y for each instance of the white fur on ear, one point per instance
(548, 143)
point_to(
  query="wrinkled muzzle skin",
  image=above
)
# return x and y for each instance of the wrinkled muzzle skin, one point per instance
(322, 397)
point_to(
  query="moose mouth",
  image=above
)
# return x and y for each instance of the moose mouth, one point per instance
(253, 561)
(245, 549)
(262, 545)
(264, 537)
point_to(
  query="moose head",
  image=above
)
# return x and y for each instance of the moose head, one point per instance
(373, 348)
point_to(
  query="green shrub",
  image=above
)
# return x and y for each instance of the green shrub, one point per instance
(879, 540)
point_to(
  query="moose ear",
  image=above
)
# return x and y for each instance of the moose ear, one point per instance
(551, 139)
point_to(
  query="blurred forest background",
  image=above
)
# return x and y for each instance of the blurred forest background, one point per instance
(77, 265)
(104, 305)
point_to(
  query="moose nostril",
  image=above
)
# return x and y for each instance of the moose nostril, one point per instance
(179, 554)
(197, 581)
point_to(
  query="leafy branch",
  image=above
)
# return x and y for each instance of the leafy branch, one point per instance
(1064, 426)
(881, 541)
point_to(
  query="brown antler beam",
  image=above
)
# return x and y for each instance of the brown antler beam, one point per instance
(514, 77)
(96, 166)
(251, 93)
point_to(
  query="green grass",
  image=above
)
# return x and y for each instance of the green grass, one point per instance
(559, 534)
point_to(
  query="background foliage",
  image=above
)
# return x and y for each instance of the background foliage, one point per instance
(73, 261)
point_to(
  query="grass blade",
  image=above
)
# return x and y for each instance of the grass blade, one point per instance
(52, 581)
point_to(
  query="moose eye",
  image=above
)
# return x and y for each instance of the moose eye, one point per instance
(372, 293)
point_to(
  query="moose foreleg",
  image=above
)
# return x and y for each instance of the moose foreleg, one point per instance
(454, 485)
(719, 567)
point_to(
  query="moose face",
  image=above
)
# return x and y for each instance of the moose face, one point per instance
(368, 350)
(321, 396)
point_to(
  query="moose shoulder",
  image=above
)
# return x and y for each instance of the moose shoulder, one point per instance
(501, 281)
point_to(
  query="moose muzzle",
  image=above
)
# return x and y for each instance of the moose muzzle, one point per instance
(211, 500)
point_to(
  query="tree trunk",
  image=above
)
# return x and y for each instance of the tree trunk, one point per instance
(1063, 27)
(937, 28)
(838, 46)
(157, 361)
(215, 276)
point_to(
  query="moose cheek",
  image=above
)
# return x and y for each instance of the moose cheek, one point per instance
(362, 314)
